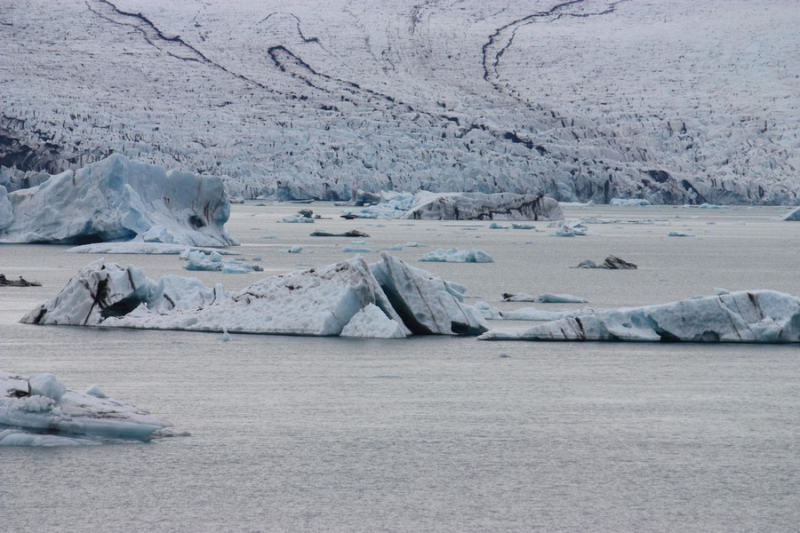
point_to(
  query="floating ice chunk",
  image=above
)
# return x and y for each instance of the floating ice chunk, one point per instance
(533, 314)
(791, 216)
(454, 255)
(495, 225)
(629, 202)
(225, 335)
(42, 412)
(743, 316)
(357, 249)
(611, 263)
(547, 298)
(47, 385)
(214, 262)
(373, 323)
(353, 233)
(296, 249)
(95, 391)
(518, 225)
(297, 219)
(487, 311)
(118, 199)
(679, 234)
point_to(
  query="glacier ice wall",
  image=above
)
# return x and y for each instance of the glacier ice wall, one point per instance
(671, 102)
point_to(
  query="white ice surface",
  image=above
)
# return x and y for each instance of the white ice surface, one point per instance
(371, 322)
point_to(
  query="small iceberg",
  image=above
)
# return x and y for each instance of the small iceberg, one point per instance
(679, 234)
(546, 298)
(454, 255)
(610, 263)
(200, 260)
(738, 317)
(41, 411)
(629, 202)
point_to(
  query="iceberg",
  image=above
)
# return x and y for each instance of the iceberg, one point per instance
(629, 202)
(21, 282)
(610, 263)
(761, 316)
(41, 411)
(679, 234)
(214, 262)
(539, 315)
(791, 216)
(480, 206)
(117, 199)
(317, 302)
(454, 255)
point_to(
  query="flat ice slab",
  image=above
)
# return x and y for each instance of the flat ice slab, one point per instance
(318, 302)
(745, 316)
(454, 255)
(41, 411)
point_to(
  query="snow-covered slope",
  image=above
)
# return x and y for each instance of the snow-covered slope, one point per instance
(118, 200)
(673, 102)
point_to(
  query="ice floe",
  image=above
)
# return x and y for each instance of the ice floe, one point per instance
(142, 248)
(454, 255)
(318, 302)
(214, 262)
(760, 316)
(41, 411)
(117, 199)
(546, 298)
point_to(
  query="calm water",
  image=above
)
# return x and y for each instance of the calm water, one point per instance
(431, 434)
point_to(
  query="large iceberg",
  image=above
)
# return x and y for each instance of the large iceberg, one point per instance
(319, 302)
(745, 316)
(480, 206)
(41, 411)
(117, 199)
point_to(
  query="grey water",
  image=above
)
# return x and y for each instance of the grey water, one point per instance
(431, 434)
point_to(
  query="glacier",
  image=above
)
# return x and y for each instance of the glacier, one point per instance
(760, 316)
(318, 302)
(117, 199)
(41, 411)
(589, 100)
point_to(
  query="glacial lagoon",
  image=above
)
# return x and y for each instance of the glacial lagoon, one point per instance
(431, 433)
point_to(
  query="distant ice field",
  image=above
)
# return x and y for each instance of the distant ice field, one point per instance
(443, 434)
